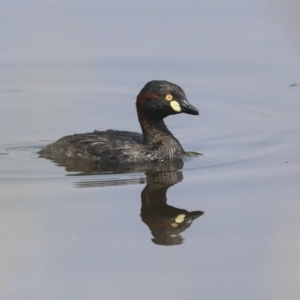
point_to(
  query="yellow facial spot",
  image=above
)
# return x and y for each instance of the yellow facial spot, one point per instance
(180, 218)
(175, 105)
(174, 225)
(169, 97)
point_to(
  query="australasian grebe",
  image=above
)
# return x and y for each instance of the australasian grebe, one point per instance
(157, 100)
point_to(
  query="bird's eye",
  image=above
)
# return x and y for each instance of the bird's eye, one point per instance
(169, 97)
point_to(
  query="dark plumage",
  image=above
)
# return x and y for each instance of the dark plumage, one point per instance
(157, 100)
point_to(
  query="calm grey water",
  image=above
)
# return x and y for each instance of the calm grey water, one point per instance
(75, 66)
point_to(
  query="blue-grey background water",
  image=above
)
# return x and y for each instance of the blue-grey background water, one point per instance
(74, 66)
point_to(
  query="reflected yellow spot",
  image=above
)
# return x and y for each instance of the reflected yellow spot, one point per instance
(169, 97)
(180, 218)
(175, 105)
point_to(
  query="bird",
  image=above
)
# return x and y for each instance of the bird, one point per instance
(157, 100)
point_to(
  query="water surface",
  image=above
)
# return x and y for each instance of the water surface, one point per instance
(70, 67)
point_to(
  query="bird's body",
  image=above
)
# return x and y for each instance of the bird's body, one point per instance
(157, 100)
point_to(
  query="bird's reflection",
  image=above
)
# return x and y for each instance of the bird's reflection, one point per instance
(165, 222)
